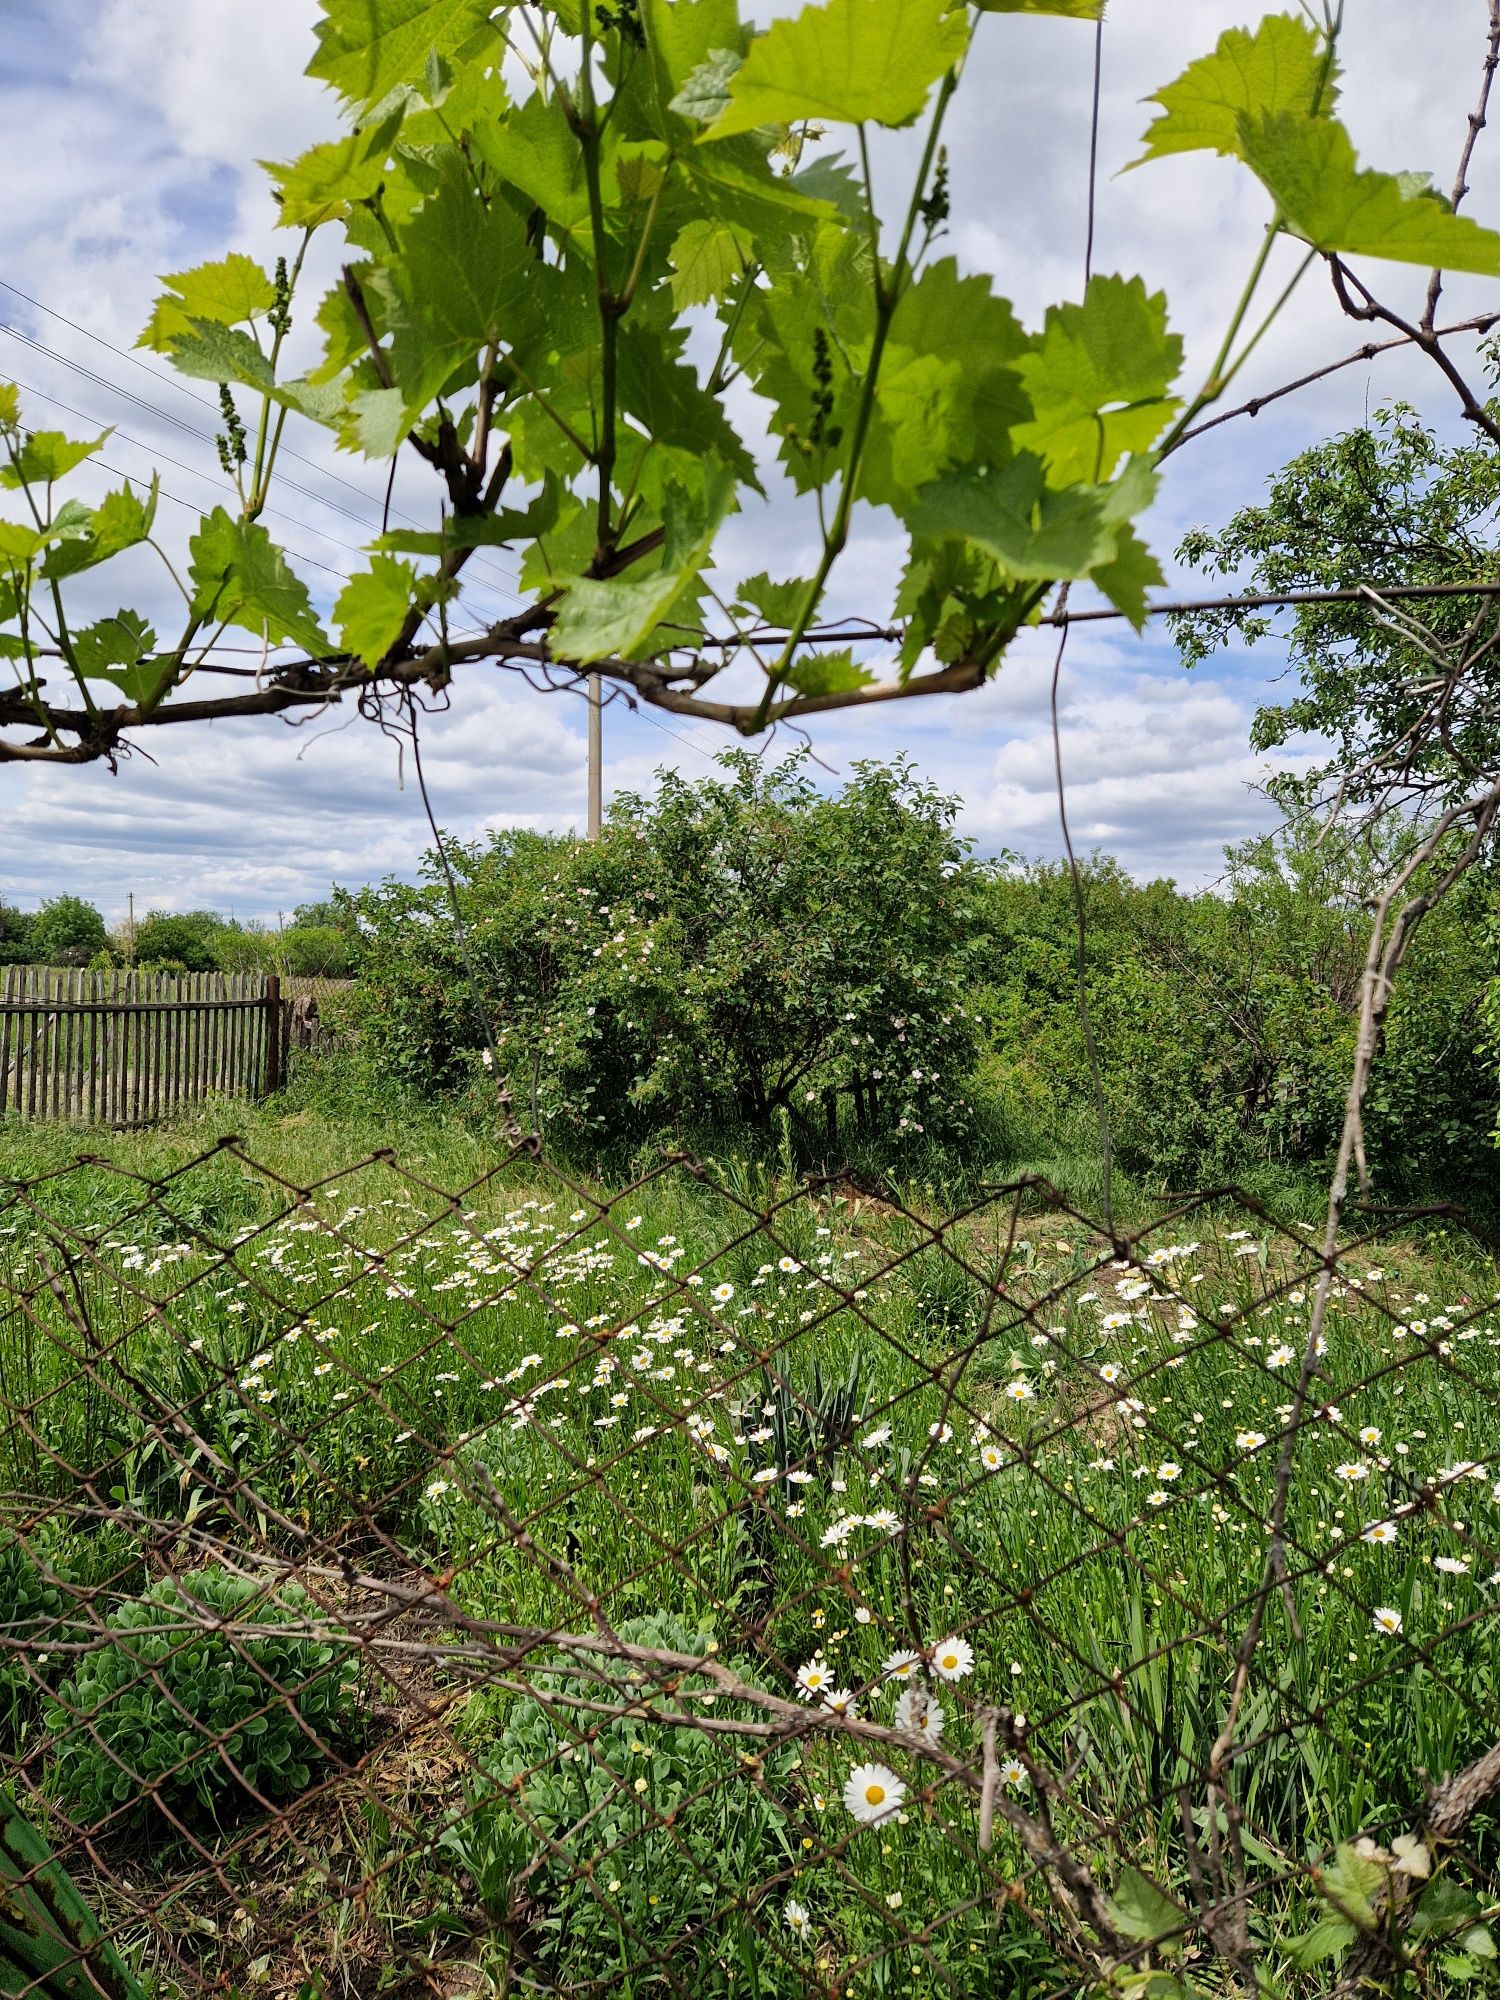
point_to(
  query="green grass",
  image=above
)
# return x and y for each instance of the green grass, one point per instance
(571, 1408)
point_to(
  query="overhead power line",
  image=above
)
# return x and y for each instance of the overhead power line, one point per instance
(502, 582)
(196, 472)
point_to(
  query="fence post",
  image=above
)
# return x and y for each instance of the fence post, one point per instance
(273, 1034)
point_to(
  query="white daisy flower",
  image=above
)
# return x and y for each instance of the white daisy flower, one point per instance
(814, 1677)
(919, 1714)
(872, 1793)
(952, 1658)
(1385, 1619)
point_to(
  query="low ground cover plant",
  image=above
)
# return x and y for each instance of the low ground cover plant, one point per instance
(177, 1718)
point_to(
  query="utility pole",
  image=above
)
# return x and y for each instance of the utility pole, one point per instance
(130, 928)
(596, 755)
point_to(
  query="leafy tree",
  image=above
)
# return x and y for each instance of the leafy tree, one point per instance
(67, 931)
(187, 941)
(1410, 700)
(1225, 1020)
(317, 951)
(728, 951)
(567, 235)
(15, 936)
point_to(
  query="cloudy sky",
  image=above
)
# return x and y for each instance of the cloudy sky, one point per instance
(129, 130)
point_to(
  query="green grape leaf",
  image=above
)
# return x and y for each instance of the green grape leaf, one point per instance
(959, 322)
(372, 608)
(747, 193)
(777, 603)
(704, 95)
(682, 36)
(707, 258)
(117, 650)
(1127, 580)
(665, 396)
(319, 184)
(375, 422)
(1097, 380)
(10, 406)
(831, 178)
(463, 272)
(1310, 169)
(120, 521)
(1071, 10)
(124, 517)
(536, 151)
(18, 543)
(1282, 65)
(1444, 1906)
(240, 576)
(845, 62)
(319, 402)
(213, 353)
(827, 673)
(598, 621)
(919, 397)
(1034, 531)
(227, 292)
(367, 47)
(45, 456)
(477, 531)
(641, 167)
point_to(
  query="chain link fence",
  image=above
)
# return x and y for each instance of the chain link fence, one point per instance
(715, 1589)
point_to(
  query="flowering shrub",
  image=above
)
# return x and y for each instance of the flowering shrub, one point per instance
(729, 951)
(182, 1715)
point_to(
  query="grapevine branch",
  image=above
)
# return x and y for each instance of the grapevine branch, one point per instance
(669, 682)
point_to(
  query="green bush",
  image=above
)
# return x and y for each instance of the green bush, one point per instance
(1224, 1021)
(186, 1719)
(621, 1884)
(725, 954)
(66, 931)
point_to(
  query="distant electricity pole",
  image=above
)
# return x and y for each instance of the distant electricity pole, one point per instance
(596, 755)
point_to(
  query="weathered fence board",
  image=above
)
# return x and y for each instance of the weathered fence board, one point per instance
(131, 1047)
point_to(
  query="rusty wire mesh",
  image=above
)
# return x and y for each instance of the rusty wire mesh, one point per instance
(715, 1588)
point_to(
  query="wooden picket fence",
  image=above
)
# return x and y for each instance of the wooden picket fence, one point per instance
(128, 1048)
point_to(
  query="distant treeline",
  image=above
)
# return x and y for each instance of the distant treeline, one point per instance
(69, 931)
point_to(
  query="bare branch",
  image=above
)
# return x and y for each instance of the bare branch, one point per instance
(1477, 120)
